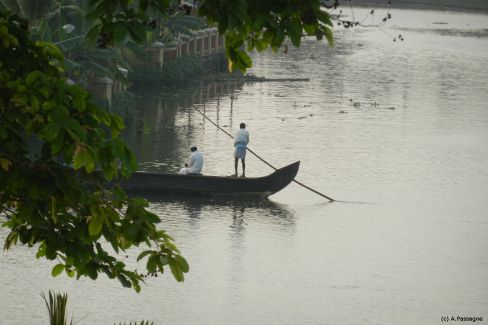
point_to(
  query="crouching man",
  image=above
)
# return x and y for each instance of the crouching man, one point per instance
(195, 164)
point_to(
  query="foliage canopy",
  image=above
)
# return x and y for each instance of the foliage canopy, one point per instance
(262, 24)
(45, 202)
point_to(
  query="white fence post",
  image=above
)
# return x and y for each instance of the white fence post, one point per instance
(107, 92)
(160, 47)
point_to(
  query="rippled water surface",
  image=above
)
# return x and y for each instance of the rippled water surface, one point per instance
(397, 132)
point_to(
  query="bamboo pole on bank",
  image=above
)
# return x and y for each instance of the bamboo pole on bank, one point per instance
(308, 188)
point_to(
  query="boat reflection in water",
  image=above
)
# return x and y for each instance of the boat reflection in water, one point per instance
(199, 208)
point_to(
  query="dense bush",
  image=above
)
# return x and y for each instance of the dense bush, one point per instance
(145, 75)
(218, 63)
(122, 105)
(185, 68)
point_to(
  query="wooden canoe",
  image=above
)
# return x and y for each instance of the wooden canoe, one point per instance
(175, 184)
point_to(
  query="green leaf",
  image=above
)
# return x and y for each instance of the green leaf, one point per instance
(135, 283)
(120, 33)
(295, 38)
(183, 263)
(3, 133)
(123, 280)
(79, 160)
(242, 14)
(31, 77)
(95, 227)
(223, 25)
(118, 148)
(152, 264)
(129, 160)
(89, 162)
(259, 24)
(49, 104)
(143, 4)
(79, 103)
(310, 29)
(71, 273)
(164, 260)
(34, 101)
(328, 35)
(176, 270)
(92, 35)
(57, 270)
(151, 217)
(143, 254)
(232, 21)
(107, 171)
(138, 30)
(324, 17)
(57, 143)
(245, 59)
(133, 229)
(241, 28)
(293, 26)
(60, 113)
(51, 131)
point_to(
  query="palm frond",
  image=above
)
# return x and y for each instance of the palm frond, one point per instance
(69, 43)
(37, 9)
(75, 68)
(135, 48)
(120, 77)
(95, 67)
(14, 6)
(125, 64)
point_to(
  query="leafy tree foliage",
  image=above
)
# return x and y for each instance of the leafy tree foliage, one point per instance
(262, 24)
(102, 62)
(46, 203)
(177, 23)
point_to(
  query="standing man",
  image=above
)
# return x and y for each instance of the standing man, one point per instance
(195, 164)
(241, 139)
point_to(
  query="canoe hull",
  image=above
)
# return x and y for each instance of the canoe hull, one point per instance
(175, 184)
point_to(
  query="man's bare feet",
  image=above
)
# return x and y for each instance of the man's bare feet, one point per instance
(242, 175)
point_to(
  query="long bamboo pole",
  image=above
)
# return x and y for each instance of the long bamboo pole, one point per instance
(308, 188)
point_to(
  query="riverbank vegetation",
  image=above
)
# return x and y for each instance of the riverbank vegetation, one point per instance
(148, 75)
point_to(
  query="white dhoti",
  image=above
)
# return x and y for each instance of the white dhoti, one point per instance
(184, 170)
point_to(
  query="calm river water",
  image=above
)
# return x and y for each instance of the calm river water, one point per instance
(397, 132)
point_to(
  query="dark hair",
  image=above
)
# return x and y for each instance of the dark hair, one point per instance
(243, 126)
(193, 149)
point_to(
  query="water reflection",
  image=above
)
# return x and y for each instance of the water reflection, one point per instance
(165, 123)
(241, 211)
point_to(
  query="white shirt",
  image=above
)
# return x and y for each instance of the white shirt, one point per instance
(196, 163)
(241, 136)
